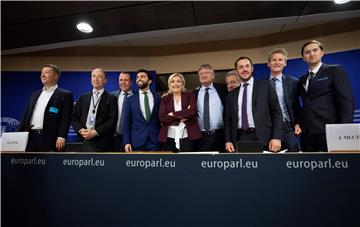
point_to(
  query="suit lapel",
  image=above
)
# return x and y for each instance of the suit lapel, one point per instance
(52, 98)
(286, 88)
(318, 75)
(138, 107)
(254, 94)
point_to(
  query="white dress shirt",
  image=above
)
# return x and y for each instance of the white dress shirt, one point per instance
(142, 104)
(248, 102)
(37, 118)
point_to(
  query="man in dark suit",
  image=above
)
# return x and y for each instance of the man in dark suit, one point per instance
(141, 123)
(285, 87)
(121, 95)
(211, 99)
(326, 95)
(252, 111)
(95, 115)
(47, 114)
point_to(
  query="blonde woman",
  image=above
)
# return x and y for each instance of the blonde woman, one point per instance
(179, 127)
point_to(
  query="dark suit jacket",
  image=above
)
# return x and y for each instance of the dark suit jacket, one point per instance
(266, 112)
(106, 118)
(136, 128)
(291, 98)
(55, 124)
(167, 106)
(329, 99)
(222, 91)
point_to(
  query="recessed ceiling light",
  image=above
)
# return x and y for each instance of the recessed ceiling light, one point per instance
(341, 1)
(84, 27)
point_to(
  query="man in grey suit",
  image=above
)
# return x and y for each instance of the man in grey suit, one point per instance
(252, 111)
(327, 98)
(122, 94)
(285, 87)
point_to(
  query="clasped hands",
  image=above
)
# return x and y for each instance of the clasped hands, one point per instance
(88, 133)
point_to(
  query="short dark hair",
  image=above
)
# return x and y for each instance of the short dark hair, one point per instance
(125, 72)
(54, 67)
(144, 71)
(242, 58)
(311, 42)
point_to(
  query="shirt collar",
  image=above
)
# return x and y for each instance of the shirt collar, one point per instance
(279, 78)
(100, 91)
(204, 87)
(130, 92)
(316, 69)
(52, 88)
(250, 82)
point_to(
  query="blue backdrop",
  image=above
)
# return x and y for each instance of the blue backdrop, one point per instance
(17, 86)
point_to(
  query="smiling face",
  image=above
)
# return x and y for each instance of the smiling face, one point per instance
(312, 54)
(98, 79)
(206, 76)
(176, 84)
(48, 76)
(143, 81)
(244, 69)
(125, 82)
(276, 63)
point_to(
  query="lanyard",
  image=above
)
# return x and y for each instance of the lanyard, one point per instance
(95, 105)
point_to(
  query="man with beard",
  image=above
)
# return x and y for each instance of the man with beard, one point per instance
(141, 122)
(252, 111)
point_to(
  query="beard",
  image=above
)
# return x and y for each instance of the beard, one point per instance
(142, 84)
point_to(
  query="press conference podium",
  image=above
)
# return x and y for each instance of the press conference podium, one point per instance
(222, 190)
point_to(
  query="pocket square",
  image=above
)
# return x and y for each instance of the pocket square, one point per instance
(324, 78)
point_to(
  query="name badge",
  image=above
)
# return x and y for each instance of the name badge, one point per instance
(53, 109)
(92, 120)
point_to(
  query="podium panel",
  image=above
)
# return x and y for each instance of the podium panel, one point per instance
(154, 190)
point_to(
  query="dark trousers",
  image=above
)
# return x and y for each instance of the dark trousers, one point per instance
(212, 141)
(249, 135)
(148, 146)
(186, 145)
(313, 142)
(119, 143)
(39, 142)
(289, 140)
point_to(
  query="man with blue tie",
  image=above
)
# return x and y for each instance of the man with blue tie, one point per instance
(141, 122)
(285, 87)
(252, 111)
(122, 94)
(326, 95)
(47, 114)
(211, 98)
(95, 115)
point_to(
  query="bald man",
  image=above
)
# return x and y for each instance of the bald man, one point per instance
(95, 115)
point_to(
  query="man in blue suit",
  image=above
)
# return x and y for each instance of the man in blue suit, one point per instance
(122, 94)
(141, 123)
(47, 114)
(327, 98)
(285, 87)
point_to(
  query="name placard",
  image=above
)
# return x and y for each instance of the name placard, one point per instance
(343, 137)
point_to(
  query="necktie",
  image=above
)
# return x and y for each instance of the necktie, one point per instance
(147, 107)
(310, 78)
(206, 110)
(273, 80)
(121, 115)
(244, 117)
(96, 96)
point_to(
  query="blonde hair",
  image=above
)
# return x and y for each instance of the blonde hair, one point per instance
(278, 51)
(172, 76)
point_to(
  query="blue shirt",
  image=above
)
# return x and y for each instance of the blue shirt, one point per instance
(281, 97)
(215, 106)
